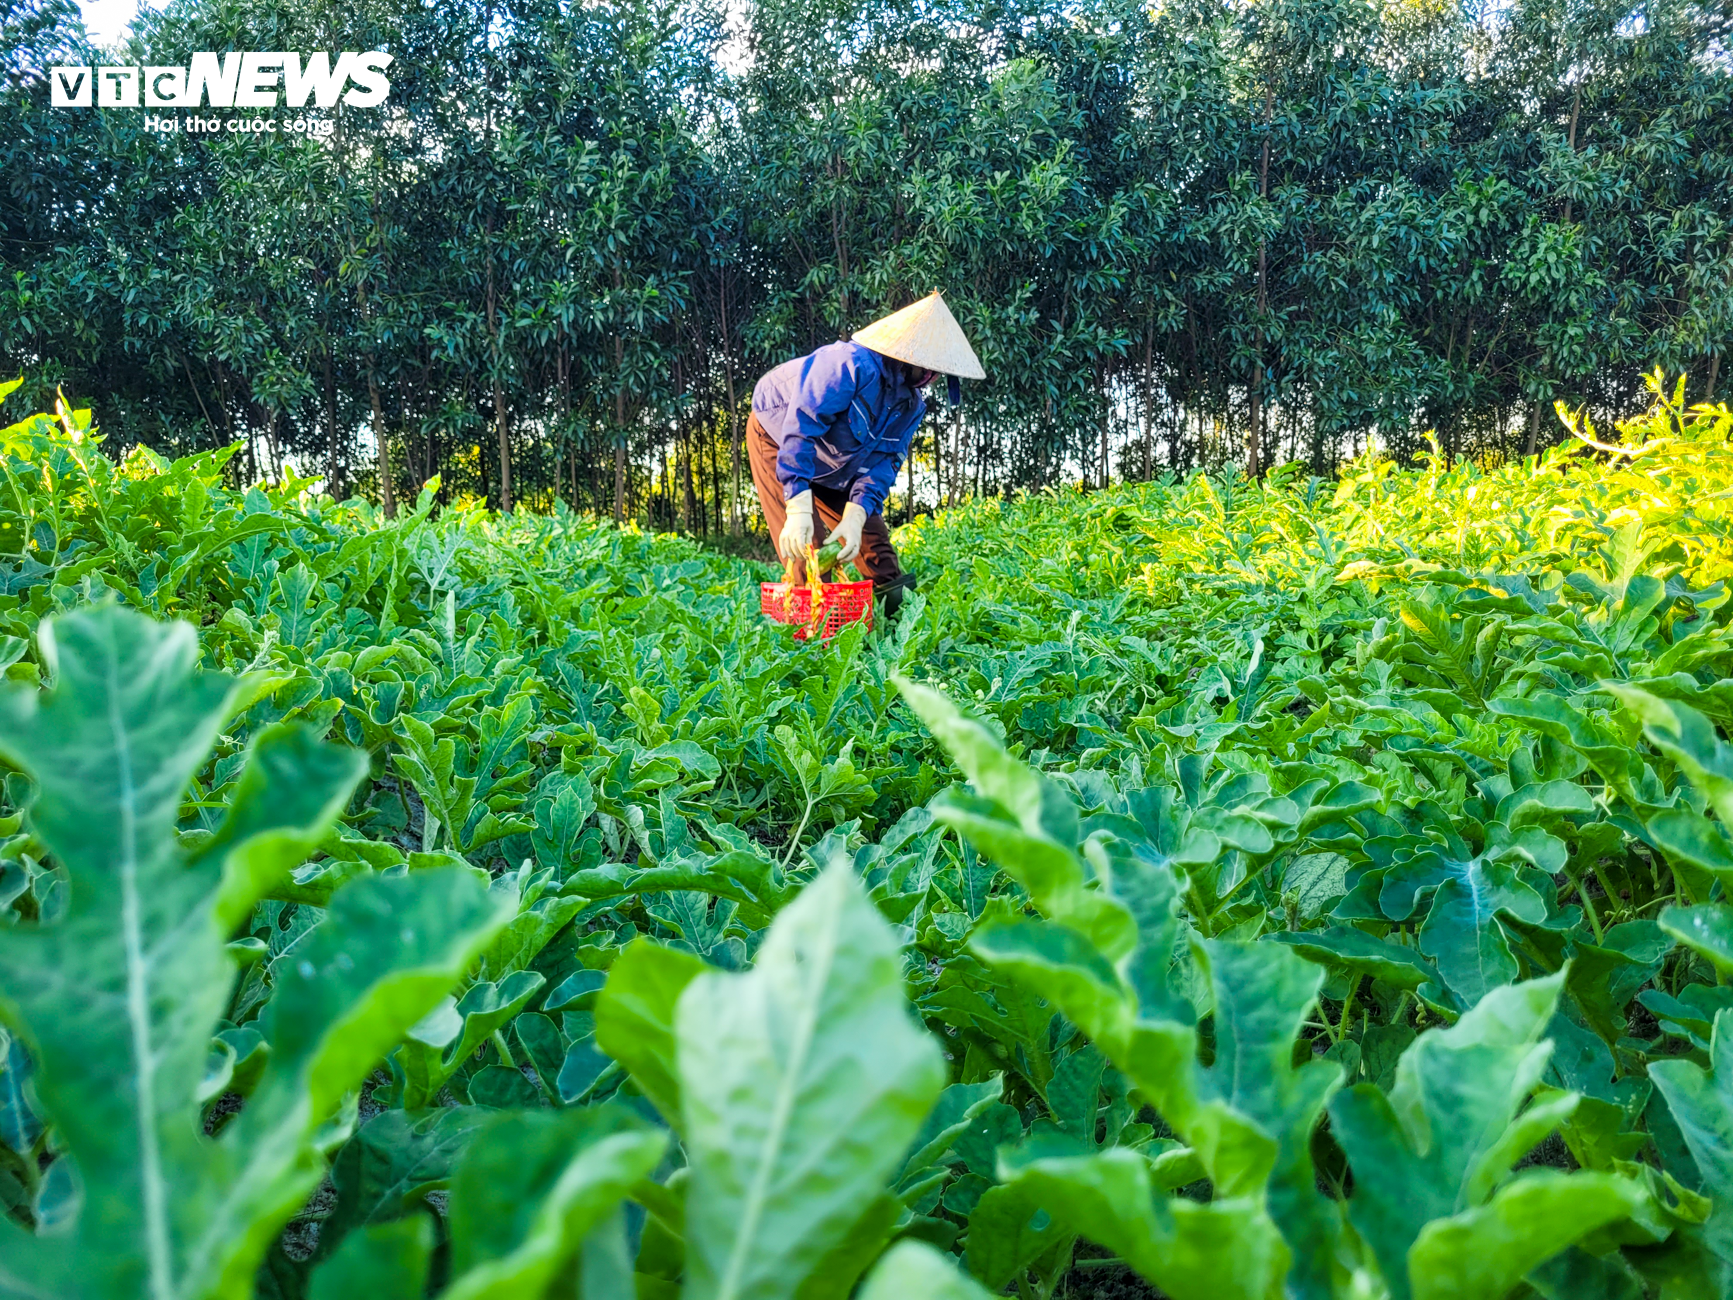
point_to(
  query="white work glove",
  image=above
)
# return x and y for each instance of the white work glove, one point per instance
(848, 532)
(797, 531)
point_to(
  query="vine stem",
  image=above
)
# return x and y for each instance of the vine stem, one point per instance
(794, 840)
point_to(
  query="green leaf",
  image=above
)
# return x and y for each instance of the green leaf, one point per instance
(913, 1268)
(292, 784)
(1262, 999)
(1022, 821)
(388, 949)
(1701, 1102)
(1009, 1230)
(635, 1019)
(1226, 1248)
(957, 1109)
(1142, 876)
(1062, 966)
(1575, 1274)
(1689, 739)
(394, 1160)
(1453, 1123)
(1706, 929)
(123, 1032)
(387, 1261)
(1691, 838)
(531, 1186)
(500, 1087)
(441, 1043)
(1486, 1251)
(604, 1266)
(1347, 949)
(1462, 933)
(802, 1083)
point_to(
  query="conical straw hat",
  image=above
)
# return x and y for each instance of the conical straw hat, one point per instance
(924, 334)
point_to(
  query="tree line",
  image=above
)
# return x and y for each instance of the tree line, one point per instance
(1181, 233)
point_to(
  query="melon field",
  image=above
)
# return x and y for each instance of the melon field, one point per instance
(1205, 888)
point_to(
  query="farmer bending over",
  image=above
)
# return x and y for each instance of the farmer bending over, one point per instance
(830, 430)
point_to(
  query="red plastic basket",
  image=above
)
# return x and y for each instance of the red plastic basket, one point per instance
(842, 603)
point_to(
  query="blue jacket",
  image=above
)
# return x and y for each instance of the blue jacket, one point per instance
(840, 419)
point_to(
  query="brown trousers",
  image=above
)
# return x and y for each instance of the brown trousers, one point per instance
(877, 559)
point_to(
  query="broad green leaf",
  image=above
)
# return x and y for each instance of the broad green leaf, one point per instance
(387, 951)
(1575, 1274)
(604, 1265)
(1486, 1251)
(1345, 948)
(1689, 739)
(913, 1268)
(1022, 821)
(1062, 966)
(1701, 1102)
(1250, 1115)
(1462, 933)
(635, 1019)
(122, 1031)
(294, 782)
(1444, 1138)
(1227, 1248)
(1262, 999)
(1706, 929)
(501, 1087)
(1074, 1095)
(835, 1275)
(386, 1170)
(386, 1261)
(1142, 876)
(1009, 1230)
(802, 1082)
(435, 1049)
(531, 1186)
(1691, 838)
(950, 1118)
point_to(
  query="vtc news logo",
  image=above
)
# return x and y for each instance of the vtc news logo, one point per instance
(249, 79)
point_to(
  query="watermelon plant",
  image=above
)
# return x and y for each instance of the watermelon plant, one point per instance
(1245, 889)
(118, 994)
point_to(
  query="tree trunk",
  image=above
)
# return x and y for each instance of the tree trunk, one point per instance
(499, 424)
(1576, 103)
(619, 433)
(956, 455)
(223, 398)
(499, 421)
(689, 503)
(1106, 464)
(1144, 403)
(736, 523)
(387, 497)
(736, 519)
(909, 489)
(203, 409)
(1529, 442)
(711, 460)
(1255, 434)
(839, 241)
(565, 420)
(1714, 373)
(486, 477)
(619, 412)
(331, 477)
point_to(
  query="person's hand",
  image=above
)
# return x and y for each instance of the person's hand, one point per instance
(797, 531)
(848, 532)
